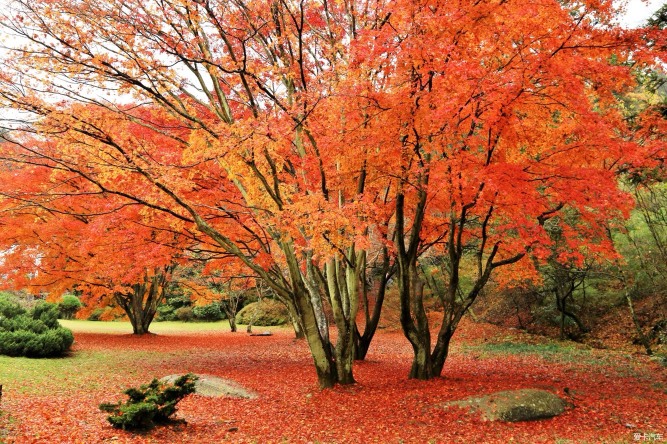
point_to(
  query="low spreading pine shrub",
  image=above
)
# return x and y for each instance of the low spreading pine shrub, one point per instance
(150, 404)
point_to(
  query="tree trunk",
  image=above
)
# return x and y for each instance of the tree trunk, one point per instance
(294, 320)
(141, 302)
(342, 279)
(362, 342)
(422, 364)
(298, 331)
(414, 322)
(320, 350)
(231, 308)
(638, 328)
(561, 305)
(411, 290)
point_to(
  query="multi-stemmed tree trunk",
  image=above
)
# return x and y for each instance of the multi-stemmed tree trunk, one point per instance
(374, 288)
(141, 300)
(227, 145)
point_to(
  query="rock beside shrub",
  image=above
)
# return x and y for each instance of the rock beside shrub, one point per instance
(264, 313)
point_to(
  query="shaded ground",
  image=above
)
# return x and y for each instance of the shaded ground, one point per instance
(616, 394)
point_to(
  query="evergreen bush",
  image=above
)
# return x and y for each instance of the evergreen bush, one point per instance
(175, 299)
(34, 334)
(185, 314)
(166, 312)
(96, 314)
(150, 404)
(266, 312)
(210, 312)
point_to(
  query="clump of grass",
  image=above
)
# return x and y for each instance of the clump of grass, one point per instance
(549, 351)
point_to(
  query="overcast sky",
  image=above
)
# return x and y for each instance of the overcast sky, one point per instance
(640, 10)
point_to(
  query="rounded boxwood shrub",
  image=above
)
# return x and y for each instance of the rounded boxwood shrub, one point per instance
(185, 314)
(68, 306)
(34, 334)
(264, 313)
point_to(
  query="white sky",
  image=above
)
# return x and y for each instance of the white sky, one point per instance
(638, 11)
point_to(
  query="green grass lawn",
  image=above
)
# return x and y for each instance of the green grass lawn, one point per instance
(167, 327)
(86, 368)
(80, 326)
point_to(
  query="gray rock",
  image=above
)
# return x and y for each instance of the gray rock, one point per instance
(515, 405)
(213, 387)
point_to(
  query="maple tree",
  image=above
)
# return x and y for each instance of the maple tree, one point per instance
(309, 140)
(496, 121)
(79, 240)
(218, 135)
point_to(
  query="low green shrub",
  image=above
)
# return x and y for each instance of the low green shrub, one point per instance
(9, 308)
(185, 314)
(96, 314)
(210, 312)
(174, 300)
(166, 313)
(47, 313)
(150, 404)
(266, 312)
(34, 334)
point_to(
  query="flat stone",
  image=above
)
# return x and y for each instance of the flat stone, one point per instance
(215, 387)
(515, 405)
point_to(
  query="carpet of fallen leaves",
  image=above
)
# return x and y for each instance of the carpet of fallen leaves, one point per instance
(615, 394)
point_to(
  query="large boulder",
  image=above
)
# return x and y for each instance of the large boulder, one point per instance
(515, 405)
(215, 387)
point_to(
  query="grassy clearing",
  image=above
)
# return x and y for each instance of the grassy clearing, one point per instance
(81, 368)
(166, 327)
(80, 326)
(87, 369)
(80, 371)
(555, 352)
